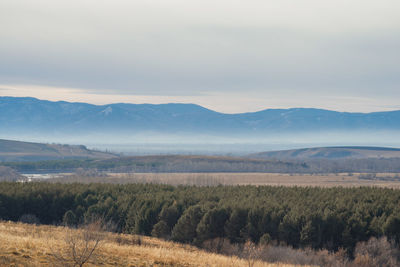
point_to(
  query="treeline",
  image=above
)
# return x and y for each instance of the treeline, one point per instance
(371, 165)
(169, 163)
(7, 174)
(50, 165)
(321, 218)
(173, 163)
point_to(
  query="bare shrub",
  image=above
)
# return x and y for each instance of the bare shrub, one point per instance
(376, 252)
(251, 253)
(29, 218)
(277, 254)
(125, 239)
(215, 245)
(137, 240)
(305, 256)
(247, 251)
(91, 172)
(81, 244)
(8, 174)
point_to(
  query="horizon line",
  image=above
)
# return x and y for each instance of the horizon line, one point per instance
(195, 104)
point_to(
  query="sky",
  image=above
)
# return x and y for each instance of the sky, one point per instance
(227, 55)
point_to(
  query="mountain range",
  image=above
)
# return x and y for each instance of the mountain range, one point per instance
(33, 117)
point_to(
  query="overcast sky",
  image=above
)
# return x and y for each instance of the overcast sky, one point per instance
(227, 55)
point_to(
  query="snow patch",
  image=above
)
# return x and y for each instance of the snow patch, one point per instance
(107, 111)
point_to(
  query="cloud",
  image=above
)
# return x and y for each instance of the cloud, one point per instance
(294, 50)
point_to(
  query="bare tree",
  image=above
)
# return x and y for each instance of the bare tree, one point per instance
(82, 243)
(251, 253)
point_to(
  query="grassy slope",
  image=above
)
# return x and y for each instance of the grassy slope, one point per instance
(332, 153)
(16, 151)
(30, 245)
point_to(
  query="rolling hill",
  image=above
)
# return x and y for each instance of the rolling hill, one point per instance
(26, 151)
(354, 152)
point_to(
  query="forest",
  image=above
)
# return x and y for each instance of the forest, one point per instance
(320, 218)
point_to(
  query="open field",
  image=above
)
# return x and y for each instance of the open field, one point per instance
(389, 180)
(31, 245)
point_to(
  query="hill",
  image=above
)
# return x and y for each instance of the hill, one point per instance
(27, 151)
(353, 152)
(31, 245)
(29, 117)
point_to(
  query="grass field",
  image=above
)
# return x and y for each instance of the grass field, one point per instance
(390, 180)
(31, 245)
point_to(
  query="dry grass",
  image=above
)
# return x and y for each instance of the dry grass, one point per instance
(31, 245)
(274, 179)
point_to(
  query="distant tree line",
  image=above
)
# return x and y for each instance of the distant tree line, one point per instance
(371, 165)
(329, 218)
(211, 164)
(8, 174)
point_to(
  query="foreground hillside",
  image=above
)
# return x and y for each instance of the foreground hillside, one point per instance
(31, 245)
(321, 218)
(267, 233)
(355, 152)
(27, 151)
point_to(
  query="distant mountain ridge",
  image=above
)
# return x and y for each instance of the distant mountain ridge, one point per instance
(19, 115)
(340, 152)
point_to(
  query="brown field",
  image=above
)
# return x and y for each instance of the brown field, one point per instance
(31, 245)
(390, 180)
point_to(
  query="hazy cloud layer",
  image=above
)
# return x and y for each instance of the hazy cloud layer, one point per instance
(334, 54)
